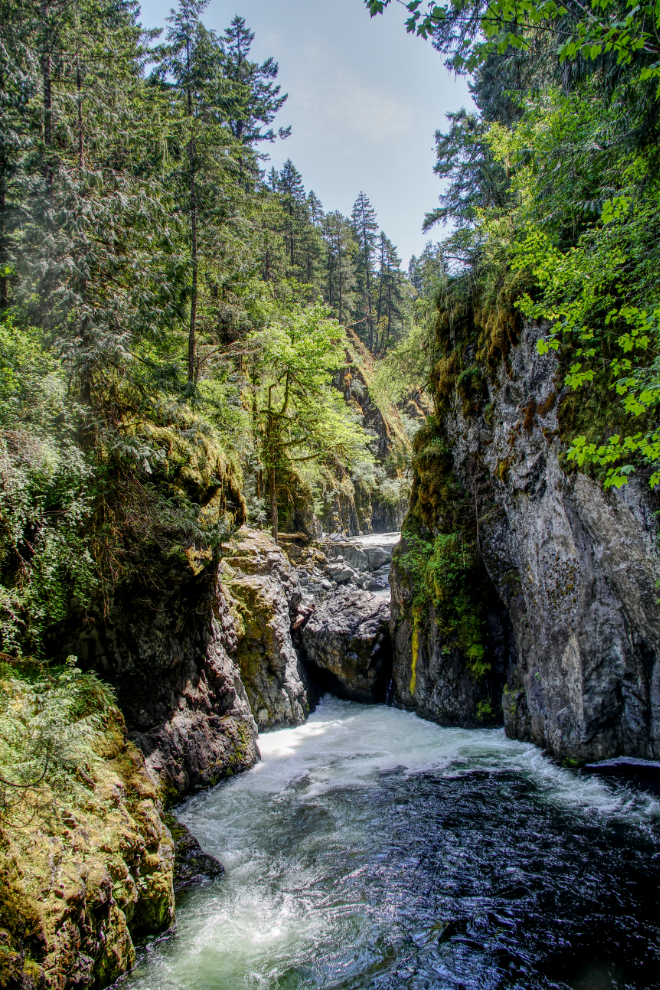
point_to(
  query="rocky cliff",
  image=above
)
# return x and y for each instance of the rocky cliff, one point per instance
(522, 591)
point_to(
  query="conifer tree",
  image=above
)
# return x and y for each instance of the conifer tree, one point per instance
(292, 196)
(254, 100)
(191, 58)
(365, 227)
(390, 293)
(340, 265)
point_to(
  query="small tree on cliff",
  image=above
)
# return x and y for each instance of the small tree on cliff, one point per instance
(298, 415)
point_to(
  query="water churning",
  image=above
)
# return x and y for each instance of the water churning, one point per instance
(371, 849)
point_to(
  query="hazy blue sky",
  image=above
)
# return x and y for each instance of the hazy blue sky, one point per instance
(364, 102)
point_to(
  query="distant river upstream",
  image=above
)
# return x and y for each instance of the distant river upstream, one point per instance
(371, 849)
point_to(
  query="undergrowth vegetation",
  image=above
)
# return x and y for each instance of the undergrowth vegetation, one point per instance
(50, 720)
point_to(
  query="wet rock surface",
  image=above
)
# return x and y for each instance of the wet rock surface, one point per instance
(191, 863)
(347, 639)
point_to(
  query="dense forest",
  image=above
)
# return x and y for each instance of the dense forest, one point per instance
(174, 314)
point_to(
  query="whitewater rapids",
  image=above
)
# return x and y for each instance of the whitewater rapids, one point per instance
(371, 849)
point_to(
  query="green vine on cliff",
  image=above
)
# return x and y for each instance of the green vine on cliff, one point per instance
(443, 577)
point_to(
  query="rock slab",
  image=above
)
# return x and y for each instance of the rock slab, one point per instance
(261, 585)
(347, 637)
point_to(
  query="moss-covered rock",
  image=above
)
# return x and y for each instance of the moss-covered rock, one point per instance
(260, 582)
(85, 873)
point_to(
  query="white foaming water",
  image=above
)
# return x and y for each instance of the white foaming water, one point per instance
(302, 839)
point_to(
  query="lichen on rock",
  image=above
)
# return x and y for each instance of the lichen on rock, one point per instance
(261, 582)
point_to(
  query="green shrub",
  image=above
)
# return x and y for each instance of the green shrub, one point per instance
(49, 722)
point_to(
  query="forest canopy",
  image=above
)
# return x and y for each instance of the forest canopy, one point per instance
(553, 189)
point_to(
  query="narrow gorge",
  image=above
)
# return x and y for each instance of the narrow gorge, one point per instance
(329, 557)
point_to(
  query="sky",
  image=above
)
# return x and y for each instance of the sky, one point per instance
(365, 100)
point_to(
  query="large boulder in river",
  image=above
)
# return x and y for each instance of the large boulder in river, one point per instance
(378, 556)
(348, 640)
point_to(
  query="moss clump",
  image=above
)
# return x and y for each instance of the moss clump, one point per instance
(485, 713)
(444, 575)
(472, 388)
(85, 861)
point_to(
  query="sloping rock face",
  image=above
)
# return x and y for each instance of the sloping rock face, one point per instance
(191, 864)
(347, 637)
(177, 683)
(573, 570)
(77, 885)
(262, 586)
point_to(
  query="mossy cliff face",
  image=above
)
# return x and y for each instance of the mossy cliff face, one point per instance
(85, 874)
(572, 567)
(177, 682)
(261, 585)
(450, 633)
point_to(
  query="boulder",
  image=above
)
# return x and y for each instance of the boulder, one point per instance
(347, 639)
(340, 572)
(351, 554)
(377, 557)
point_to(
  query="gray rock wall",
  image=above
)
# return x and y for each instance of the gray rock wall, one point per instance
(575, 568)
(347, 636)
(177, 682)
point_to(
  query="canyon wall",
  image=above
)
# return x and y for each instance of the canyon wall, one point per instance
(566, 573)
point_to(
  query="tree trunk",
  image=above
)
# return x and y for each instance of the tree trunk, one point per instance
(273, 502)
(48, 94)
(3, 246)
(339, 273)
(193, 249)
(367, 261)
(81, 144)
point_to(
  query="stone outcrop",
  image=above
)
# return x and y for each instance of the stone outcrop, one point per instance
(78, 884)
(262, 584)
(572, 607)
(177, 683)
(191, 864)
(347, 639)
(430, 674)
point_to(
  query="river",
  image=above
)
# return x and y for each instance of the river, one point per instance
(371, 849)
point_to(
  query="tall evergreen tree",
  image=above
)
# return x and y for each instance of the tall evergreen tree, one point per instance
(390, 316)
(340, 265)
(191, 66)
(365, 227)
(292, 196)
(254, 99)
